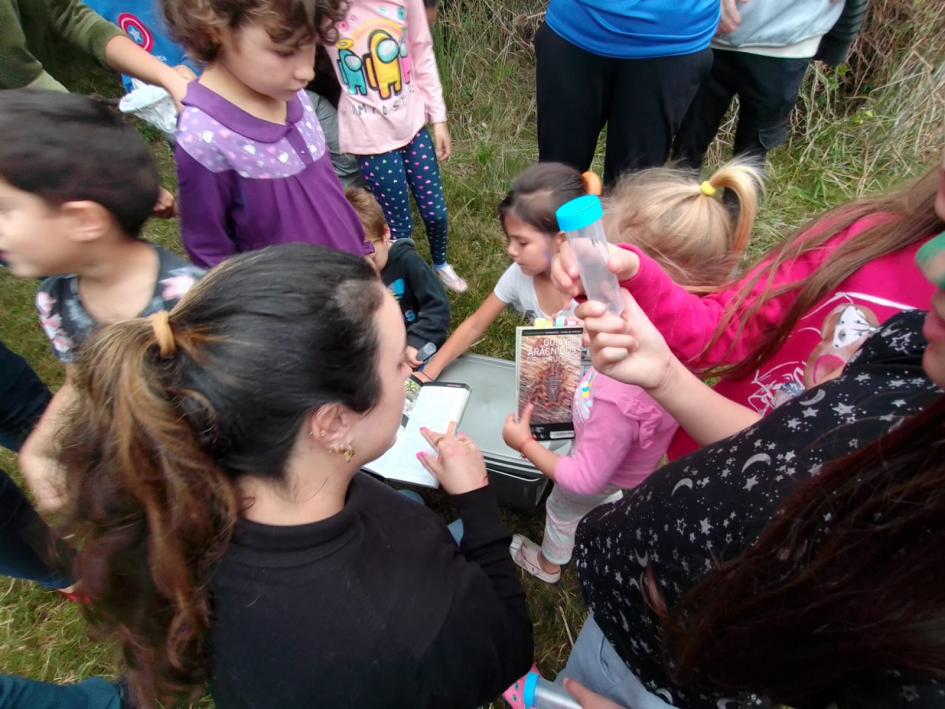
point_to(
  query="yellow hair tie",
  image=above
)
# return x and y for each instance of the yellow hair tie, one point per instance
(163, 334)
(707, 189)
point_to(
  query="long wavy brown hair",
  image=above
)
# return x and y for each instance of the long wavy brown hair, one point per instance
(792, 619)
(911, 219)
(165, 424)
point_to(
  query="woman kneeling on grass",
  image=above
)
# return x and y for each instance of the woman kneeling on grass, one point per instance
(226, 533)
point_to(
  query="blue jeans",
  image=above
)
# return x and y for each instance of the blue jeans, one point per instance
(595, 663)
(96, 693)
(23, 399)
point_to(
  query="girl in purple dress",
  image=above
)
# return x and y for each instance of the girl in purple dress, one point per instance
(252, 162)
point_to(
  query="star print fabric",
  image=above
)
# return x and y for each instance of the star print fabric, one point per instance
(715, 503)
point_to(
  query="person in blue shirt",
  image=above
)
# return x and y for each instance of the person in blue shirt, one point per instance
(631, 66)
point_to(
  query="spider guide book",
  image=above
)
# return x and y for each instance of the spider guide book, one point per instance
(548, 369)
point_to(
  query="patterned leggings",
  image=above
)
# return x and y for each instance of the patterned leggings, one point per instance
(388, 176)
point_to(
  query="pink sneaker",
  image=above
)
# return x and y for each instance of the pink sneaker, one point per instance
(515, 695)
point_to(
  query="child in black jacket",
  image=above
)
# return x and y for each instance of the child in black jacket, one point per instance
(422, 297)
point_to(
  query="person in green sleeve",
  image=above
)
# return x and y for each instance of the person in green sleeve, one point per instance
(32, 30)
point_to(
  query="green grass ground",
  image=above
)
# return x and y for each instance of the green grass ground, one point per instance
(842, 147)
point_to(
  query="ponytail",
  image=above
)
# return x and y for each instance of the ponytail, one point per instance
(743, 179)
(683, 224)
(537, 193)
(592, 183)
(898, 220)
(152, 509)
(170, 411)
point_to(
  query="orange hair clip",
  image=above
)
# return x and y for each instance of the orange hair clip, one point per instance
(592, 183)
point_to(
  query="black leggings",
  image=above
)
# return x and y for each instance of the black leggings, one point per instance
(767, 90)
(642, 102)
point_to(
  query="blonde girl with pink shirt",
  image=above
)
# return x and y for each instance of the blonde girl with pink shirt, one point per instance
(621, 433)
(391, 89)
(795, 318)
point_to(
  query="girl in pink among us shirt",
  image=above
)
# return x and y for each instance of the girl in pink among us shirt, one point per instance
(620, 433)
(383, 56)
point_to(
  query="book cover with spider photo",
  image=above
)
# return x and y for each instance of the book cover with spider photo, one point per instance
(548, 369)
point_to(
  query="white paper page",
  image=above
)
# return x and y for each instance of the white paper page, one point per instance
(435, 407)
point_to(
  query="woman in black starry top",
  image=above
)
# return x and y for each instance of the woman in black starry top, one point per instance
(798, 561)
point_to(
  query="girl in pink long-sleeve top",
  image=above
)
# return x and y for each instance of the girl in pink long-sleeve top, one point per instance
(794, 320)
(620, 433)
(384, 59)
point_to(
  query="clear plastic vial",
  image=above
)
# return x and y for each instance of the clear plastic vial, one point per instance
(541, 694)
(581, 220)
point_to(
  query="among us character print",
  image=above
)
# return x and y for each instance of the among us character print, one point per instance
(374, 54)
(707, 508)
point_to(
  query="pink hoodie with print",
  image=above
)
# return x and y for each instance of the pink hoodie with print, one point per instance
(390, 86)
(821, 342)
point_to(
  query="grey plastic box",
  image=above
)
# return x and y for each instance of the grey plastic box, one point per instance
(518, 484)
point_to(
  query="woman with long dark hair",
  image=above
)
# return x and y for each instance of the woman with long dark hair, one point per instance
(225, 532)
(797, 561)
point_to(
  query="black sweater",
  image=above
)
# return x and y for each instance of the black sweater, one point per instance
(374, 607)
(422, 298)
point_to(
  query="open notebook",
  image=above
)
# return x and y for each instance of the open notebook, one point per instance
(432, 405)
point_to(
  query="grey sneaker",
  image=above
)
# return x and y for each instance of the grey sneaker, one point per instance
(451, 279)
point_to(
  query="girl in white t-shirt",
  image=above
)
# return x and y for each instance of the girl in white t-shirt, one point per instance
(528, 217)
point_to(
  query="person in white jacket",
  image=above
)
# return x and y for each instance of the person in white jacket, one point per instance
(761, 53)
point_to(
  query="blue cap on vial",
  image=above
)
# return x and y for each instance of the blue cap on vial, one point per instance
(579, 213)
(531, 684)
